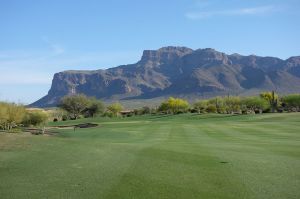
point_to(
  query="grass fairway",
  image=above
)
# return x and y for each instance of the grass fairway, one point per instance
(181, 156)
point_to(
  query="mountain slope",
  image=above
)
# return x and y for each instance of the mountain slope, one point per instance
(179, 71)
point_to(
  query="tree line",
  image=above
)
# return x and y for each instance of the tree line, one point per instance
(76, 106)
(264, 103)
(82, 106)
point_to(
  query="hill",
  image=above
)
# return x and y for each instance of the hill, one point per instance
(179, 71)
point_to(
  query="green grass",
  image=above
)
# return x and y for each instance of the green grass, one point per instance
(182, 156)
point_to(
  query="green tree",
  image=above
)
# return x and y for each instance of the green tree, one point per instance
(211, 108)
(146, 110)
(272, 98)
(74, 104)
(178, 105)
(201, 106)
(115, 109)
(174, 105)
(164, 107)
(94, 107)
(232, 104)
(291, 102)
(219, 103)
(255, 104)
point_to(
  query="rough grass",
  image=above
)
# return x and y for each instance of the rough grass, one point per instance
(181, 156)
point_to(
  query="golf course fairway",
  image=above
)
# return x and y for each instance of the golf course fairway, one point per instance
(182, 156)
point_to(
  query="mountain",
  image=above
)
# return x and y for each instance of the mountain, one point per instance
(179, 71)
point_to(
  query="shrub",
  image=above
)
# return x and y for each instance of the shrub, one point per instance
(174, 105)
(94, 107)
(291, 102)
(108, 114)
(272, 98)
(232, 104)
(11, 115)
(115, 109)
(64, 118)
(201, 106)
(211, 108)
(35, 118)
(145, 110)
(255, 104)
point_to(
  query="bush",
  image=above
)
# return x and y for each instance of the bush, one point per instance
(255, 104)
(94, 107)
(64, 118)
(146, 110)
(11, 115)
(232, 104)
(211, 109)
(174, 105)
(201, 106)
(291, 102)
(108, 114)
(272, 98)
(221, 110)
(115, 109)
(35, 118)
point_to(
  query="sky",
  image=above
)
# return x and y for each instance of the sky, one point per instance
(41, 37)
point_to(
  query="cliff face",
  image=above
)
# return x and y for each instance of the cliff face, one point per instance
(179, 71)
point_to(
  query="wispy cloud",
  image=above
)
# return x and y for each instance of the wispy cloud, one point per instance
(233, 12)
(55, 47)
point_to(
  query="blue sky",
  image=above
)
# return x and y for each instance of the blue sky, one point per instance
(41, 37)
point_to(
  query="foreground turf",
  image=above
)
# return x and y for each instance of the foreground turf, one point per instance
(182, 156)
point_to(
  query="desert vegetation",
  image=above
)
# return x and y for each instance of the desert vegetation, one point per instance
(14, 116)
(77, 105)
(11, 115)
(82, 106)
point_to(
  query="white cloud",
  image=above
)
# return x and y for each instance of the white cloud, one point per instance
(234, 12)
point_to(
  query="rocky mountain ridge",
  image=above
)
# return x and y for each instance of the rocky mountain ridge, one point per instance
(179, 71)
